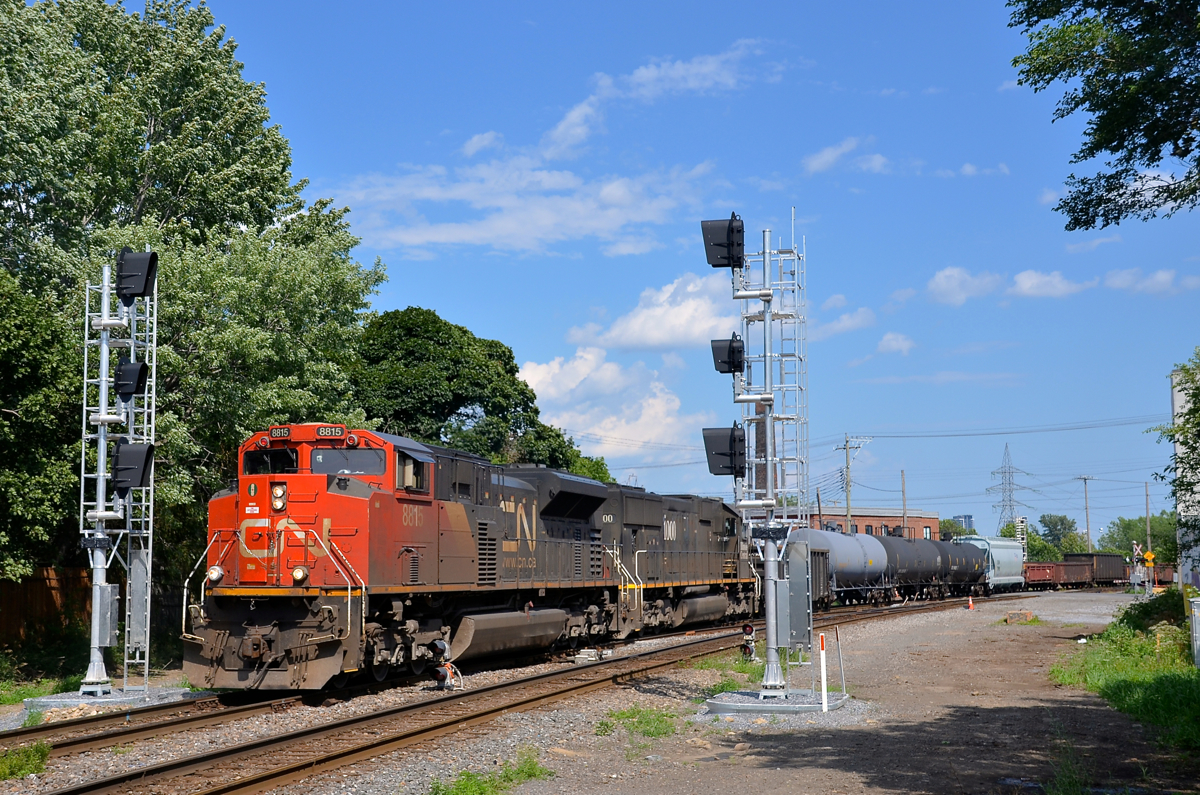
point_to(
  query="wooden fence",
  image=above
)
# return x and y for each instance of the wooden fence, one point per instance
(48, 597)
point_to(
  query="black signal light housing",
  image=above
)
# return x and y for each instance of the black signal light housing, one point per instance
(725, 449)
(131, 378)
(725, 242)
(729, 356)
(136, 273)
(131, 466)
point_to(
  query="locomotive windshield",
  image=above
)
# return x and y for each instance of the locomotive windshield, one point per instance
(340, 461)
(280, 461)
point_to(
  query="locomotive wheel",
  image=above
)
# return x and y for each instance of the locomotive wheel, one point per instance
(379, 671)
(418, 666)
(340, 681)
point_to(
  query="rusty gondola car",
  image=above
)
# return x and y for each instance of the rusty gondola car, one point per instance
(341, 551)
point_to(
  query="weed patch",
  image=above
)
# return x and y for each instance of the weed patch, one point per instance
(605, 728)
(1070, 776)
(510, 774)
(1142, 667)
(727, 685)
(34, 718)
(646, 722)
(20, 762)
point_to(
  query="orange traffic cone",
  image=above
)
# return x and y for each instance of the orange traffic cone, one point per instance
(970, 602)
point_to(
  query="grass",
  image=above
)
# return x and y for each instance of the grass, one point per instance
(727, 685)
(14, 691)
(1070, 775)
(605, 728)
(34, 718)
(526, 768)
(644, 721)
(1142, 666)
(20, 762)
(510, 774)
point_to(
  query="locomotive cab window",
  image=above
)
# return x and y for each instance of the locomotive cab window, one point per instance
(280, 461)
(411, 474)
(341, 461)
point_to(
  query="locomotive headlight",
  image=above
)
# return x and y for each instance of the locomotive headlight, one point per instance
(299, 574)
(278, 496)
(278, 490)
(215, 574)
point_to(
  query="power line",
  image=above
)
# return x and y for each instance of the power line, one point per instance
(1019, 429)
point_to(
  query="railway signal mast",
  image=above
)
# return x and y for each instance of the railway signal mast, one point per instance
(116, 490)
(767, 454)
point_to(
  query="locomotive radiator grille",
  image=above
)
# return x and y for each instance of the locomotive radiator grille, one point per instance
(578, 549)
(595, 556)
(486, 556)
(414, 569)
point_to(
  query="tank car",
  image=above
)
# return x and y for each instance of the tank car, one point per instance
(342, 551)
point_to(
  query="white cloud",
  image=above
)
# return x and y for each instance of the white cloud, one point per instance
(1161, 282)
(902, 295)
(1035, 284)
(944, 173)
(972, 170)
(895, 342)
(1047, 196)
(692, 310)
(520, 202)
(1007, 85)
(836, 301)
(1092, 245)
(968, 170)
(955, 285)
(642, 423)
(851, 321)
(559, 378)
(827, 158)
(876, 164)
(522, 206)
(480, 142)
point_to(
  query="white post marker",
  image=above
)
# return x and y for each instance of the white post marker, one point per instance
(824, 691)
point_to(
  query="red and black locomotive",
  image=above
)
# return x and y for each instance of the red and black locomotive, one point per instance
(353, 551)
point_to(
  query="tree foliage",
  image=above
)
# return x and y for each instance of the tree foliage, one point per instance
(1133, 67)
(1038, 549)
(1183, 473)
(952, 527)
(39, 429)
(424, 377)
(1055, 527)
(109, 118)
(1122, 533)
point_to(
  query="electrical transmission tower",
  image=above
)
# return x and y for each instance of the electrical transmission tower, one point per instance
(1007, 489)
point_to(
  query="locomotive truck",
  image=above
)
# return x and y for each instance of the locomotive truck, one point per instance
(341, 552)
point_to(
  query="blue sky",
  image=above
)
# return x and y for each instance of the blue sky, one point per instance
(537, 173)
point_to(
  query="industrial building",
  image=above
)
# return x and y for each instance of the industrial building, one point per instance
(881, 521)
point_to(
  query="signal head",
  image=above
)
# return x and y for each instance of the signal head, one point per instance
(725, 242)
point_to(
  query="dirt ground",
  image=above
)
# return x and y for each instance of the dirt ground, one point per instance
(951, 702)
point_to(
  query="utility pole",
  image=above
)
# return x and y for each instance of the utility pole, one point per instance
(854, 443)
(820, 524)
(849, 526)
(1148, 549)
(1087, 514)
(904, 501)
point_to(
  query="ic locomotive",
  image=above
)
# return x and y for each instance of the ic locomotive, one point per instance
(341, 551)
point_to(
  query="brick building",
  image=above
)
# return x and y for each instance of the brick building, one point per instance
(881, 521)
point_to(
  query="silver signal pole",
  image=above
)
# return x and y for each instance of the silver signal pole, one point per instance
(116, 490)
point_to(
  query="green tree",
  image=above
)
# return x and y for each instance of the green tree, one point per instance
(1132, 68)
(1037, 549)
(952, 527)
(39, 430)
(1122, 533)
(1183, 473)
(1073, 543)
(1055, 527)
(424, 377)
(109, 118)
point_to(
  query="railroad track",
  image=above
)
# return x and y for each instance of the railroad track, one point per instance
(270, 762)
